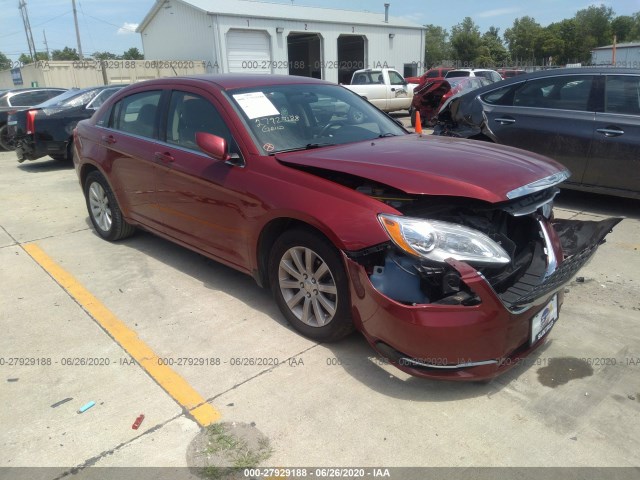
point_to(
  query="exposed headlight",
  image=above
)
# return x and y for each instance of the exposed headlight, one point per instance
(437, 241)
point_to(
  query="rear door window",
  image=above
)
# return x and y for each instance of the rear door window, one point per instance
(564, 92)
(622, 94)
(138, 114)
(501, 96)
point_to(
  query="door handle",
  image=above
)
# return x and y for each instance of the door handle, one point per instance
(610, 132)
(110, 139)
(505, 121)
(163, 157)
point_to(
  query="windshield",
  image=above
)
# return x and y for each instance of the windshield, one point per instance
(458, 73)
(71, 98)
(298, 117)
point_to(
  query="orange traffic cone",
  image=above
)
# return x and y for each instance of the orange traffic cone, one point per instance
(418, 126)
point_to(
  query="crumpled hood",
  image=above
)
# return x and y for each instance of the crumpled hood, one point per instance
(433, 165)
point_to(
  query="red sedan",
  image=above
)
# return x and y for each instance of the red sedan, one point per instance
(444, 253)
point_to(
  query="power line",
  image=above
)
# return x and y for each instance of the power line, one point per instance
(36, 25)
(112, 24)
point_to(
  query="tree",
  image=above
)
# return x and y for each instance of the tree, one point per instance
(594, 26)
(635, 34)
(5, 63)
(26, 59)
(66, 53)
(466, 41)
(436, 45)
(104, 56)
(492, 49)
(132, 54)
(624, 28)
(522, 38)
(566, 32)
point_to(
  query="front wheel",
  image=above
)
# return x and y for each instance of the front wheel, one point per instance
(310, 285)
(104, 211)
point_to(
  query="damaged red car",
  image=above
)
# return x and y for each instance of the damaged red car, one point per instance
(430, 95)
(443, 253)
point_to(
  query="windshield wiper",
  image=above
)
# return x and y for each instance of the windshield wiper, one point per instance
(308, 146)
(388, 134)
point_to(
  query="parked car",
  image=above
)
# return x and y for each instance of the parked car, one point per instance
(383, 87)
(431, 74)
(490, 75)
(431, 95)
(588, 119)
(47, 129)
(447, 267)
(510, 72)
(21, 98)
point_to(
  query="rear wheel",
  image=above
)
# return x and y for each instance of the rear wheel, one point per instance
(310, 285)
(412, 114)
(104, 211)
(68, 156)
(4, 138)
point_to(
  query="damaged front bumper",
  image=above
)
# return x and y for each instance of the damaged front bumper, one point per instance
(477, 340)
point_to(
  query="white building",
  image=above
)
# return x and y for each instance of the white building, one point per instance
(627, 55)
(259, 37)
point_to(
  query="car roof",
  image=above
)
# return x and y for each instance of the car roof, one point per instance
(34, 89)
(232, 81)
(472, 70)
(552, 72)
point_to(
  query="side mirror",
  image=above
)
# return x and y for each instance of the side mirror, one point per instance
(216, 147)
(213, 145)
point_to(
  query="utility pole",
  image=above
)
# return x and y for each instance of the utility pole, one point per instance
(75, 20)
(46, 45)
(22, 5)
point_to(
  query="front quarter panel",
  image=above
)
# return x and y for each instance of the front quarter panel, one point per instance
(346, 217)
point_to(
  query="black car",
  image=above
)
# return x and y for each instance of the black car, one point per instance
(47, 129)
(19, 99)
(585, 118)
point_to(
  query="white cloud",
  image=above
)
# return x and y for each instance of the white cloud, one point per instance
(128, 28)
(497, 12)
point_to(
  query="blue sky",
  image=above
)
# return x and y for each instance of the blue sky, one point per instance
(109, 24)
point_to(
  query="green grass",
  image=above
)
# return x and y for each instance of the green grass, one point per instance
(232, 451)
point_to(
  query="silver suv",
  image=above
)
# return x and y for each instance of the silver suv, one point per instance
(490, 75)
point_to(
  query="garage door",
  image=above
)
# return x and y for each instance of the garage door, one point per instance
(248, 51)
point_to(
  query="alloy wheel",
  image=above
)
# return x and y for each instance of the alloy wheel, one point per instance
(100, 209)
(308, 286)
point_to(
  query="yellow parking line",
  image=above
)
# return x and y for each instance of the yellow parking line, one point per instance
(172, 383)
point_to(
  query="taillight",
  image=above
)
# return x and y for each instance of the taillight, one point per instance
(31, 121)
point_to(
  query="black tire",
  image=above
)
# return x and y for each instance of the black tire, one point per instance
(4, 139)
(104, 212)
(412, 114)
(67, 156)
(310, 305)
